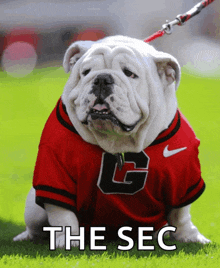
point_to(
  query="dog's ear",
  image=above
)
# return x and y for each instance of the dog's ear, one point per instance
(74, 52)
(168, 68)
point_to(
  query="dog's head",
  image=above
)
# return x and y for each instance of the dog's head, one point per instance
(121, 92)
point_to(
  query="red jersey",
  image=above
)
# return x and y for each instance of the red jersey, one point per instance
(81, 177)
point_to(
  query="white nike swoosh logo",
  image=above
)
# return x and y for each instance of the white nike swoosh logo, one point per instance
(167, 153)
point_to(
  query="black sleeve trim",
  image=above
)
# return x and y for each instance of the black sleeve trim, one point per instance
(42, 200)
(55, 191)
(190, 189)
(191, 200)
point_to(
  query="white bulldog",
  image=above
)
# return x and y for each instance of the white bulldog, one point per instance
(120, 98)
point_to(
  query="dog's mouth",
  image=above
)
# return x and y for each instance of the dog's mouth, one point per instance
(103, 112)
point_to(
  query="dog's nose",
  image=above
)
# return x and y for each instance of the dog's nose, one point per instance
(102, 86)
(103, 79)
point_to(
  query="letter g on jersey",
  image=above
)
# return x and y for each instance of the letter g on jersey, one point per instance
(134, 179)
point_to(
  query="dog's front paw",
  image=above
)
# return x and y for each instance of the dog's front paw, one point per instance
(192, 235)
(201, 239)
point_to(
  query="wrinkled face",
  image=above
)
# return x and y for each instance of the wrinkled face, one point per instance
(121, 92)
(106, 96)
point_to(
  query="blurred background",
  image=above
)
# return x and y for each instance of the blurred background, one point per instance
(37, 33)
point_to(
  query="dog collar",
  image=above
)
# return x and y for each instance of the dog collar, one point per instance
(163, 136)
(120, 157)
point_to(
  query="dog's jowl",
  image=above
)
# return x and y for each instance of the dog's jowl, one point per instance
(116, 150)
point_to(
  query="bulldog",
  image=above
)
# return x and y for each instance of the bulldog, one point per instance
(116, 151)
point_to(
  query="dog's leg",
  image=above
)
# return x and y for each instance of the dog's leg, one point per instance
(35, 219)
(186, 231)
(58, 216)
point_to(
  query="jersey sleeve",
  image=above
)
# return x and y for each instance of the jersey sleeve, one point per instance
(183, 183)
(52, 181)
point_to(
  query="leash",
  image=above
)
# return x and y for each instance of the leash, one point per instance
(168, 29)
(179, 20)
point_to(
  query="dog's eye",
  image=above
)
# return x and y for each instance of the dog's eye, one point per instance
(128, 73)
(86, 72)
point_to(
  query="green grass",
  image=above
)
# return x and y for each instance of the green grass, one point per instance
(25, 106)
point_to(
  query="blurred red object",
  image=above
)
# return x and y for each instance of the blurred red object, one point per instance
(27, 35)
(90, 34)
(19, 55)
